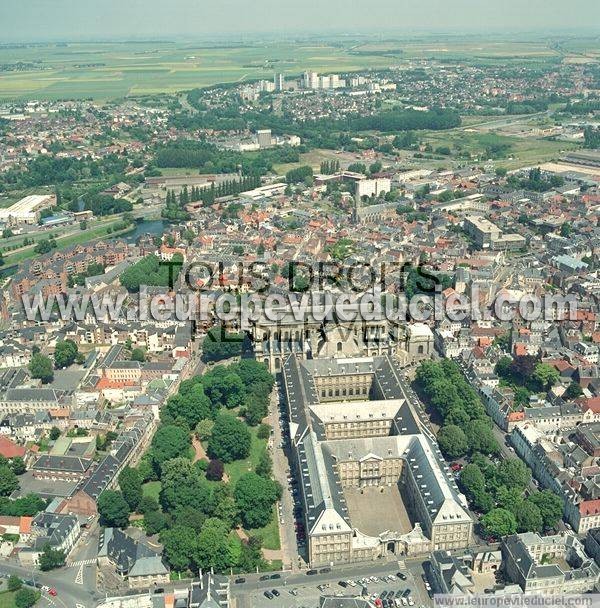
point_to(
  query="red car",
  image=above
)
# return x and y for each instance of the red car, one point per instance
(52, 591)
(455, 466)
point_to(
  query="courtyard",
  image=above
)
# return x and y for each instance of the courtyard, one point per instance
(374, 510)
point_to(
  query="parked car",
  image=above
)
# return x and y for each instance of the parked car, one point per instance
(239, 581)
(268, 595)
(310, 572)
(275, 592)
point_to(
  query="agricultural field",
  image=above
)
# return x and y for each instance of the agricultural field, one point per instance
(112, 70)
(518, 151)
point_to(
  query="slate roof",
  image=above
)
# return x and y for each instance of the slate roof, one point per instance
(130, 557)
(325, 505)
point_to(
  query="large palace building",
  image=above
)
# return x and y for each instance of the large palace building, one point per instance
(372, 479)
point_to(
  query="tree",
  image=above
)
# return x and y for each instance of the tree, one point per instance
(204, 429)
(191, 406)
(452, 441)
(573, 391)
(220, 344)
(255, 410)
(169, 442)
(498, 523)
(550, 506)
(179, 546)
(65, 353)
(26, 597)
(546, 375)
(51, 558)
(230, 439)
(130, 484)
(182, 485)
(40, 367)
(513, 473)
(481, 438)
(17, 464)
(14, 583)
(54, 433)
(212, 550)
(138, 354)
(224, 387)
(523, 367)
(509, 498)
(215, 470)
(472, 481)
(8, 481)
(151, 271)
(264, 467)
(154, 522)
(227, 510)
(113, 509)
(27, 506)
(529, 517)
(252, 371)
(263, 431)
(147, 505)
(255, 497)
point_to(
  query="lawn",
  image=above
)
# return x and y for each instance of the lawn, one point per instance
(523, 151)
(269, 534)
(237, 468)
(7, 599)
(68, 240)
(112, 70)
(152, 489)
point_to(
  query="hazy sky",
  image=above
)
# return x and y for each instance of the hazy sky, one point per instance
(75, 19)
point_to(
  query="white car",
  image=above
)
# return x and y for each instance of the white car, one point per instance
(404, 601)
(411, 602)
(351, 583)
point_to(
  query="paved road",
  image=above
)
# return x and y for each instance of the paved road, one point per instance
(251, 593)
(69, 594)
(281, 471)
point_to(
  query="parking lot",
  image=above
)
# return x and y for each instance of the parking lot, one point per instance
(299, 590)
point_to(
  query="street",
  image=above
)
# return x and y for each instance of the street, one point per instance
(250, 594)
(69, 594)
(281, 472)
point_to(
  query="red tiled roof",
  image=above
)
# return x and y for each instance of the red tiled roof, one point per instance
(9, 449)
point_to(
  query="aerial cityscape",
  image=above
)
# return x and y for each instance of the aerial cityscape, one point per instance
(300, 304)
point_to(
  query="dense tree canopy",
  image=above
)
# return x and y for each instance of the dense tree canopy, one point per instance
(230, 439)
(41, 367)
(219, 344)
(151, 271)
(498, 523)
(452, 441)
(130, 484)
(169, 441)
(65, 353)
(113, 509)
(255, 497)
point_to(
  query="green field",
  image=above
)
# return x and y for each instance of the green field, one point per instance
(269, 534)
(7, 599)
(152, 489)
(523, 150)
(114, 70)
(237, 468)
